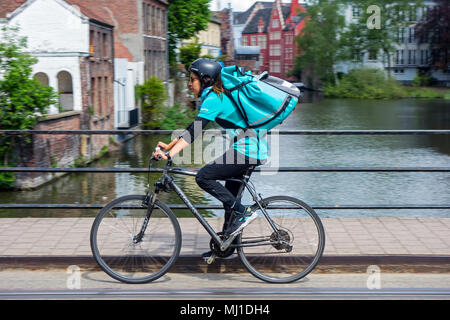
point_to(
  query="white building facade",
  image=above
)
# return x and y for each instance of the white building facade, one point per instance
(409, 58)
(58, 35)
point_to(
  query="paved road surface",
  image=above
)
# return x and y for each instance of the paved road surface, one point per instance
(76, 283)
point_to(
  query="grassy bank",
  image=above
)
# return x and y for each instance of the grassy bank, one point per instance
(367, 83)
(427, 92)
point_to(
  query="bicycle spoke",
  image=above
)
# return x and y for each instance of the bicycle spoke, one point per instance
(116, 252)
(293, 248)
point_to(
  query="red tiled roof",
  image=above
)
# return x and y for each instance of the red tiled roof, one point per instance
(88, 13)
(8, 6)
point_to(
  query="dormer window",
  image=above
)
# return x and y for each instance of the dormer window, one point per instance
(275, 23)
(260, 28)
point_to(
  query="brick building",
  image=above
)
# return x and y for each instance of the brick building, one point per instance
(226, 34)
(140, 48)
(75, 53)
(273, 29)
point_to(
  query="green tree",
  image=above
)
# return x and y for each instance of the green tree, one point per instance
(362, 35)
(435, 29)
(189, 53)
(152, 95)
(186, 18)
(22, 99)
(318, 43)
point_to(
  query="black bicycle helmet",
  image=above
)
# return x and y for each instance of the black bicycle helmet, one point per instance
(208, 70)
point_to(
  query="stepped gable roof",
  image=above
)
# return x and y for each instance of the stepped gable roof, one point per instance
(294, 22)
(242, 16)
(252, 26)
(265, 14)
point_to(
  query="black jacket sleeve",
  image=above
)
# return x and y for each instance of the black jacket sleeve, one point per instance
(194, 129)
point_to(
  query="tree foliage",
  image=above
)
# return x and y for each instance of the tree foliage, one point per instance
(394, 16)
(186, 18)
(189, 53)
(317, 44)
(435, 29)
(22, 99)
(152, 95)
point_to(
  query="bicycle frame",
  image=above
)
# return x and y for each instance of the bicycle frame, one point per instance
(167, 181)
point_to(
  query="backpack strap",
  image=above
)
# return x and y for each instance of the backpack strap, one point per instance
(240, 109)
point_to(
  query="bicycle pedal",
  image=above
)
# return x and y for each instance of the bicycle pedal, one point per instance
(211, 258)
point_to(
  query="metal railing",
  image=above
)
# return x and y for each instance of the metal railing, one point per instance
(261, 169)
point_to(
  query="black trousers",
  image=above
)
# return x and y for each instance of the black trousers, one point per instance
(232, 164)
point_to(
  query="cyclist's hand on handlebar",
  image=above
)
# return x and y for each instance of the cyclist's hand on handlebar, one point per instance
(162, 145)
(159, 154)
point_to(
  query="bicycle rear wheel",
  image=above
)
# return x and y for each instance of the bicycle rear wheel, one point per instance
(113, 246)
(289, 254)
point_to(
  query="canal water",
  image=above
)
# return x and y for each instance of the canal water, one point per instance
(315, 188)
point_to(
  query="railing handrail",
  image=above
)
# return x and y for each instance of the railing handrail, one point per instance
(281, 132)
(261, 169)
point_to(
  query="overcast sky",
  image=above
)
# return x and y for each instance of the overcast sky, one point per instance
(238, 5)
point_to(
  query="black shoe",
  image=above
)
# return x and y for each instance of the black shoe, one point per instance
(240, 221)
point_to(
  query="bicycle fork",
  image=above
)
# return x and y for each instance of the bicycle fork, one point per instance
(150, 202)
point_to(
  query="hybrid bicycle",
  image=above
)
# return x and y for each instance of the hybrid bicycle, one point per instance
(137, 238)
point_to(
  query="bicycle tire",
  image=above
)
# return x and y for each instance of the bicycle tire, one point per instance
(268, 262)
(125, 267)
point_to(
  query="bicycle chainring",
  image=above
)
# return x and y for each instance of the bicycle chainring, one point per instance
(216, 249)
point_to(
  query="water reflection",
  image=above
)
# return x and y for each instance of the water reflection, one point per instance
(324, 188)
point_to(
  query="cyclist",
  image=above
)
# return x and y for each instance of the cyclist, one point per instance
(248, 150)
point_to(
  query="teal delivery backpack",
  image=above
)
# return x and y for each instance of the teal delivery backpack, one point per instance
(262, 100)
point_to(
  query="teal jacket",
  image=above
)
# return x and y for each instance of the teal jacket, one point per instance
(221, 110)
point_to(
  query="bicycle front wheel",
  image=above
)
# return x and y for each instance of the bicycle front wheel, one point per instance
(114, 245)
(285, 249)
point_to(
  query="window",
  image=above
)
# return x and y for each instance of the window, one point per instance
(411, 35)
(289, 39)
(399, 71)
(99, 45)
(275, 23)
(253, 40)
(275, 66)
(100, 95)
(94, 95)
(42, 77)
(357, 55)
(400, 35)
(372, 54)
(399, 57)
(423, 56)
(262, 42)
(289, 53)
(65, 89)
(106, 50)
(275, 50)
(244, 40)
(411, 56)
(260, 28)
(412, 13)
(275, 35)
(356, 12)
